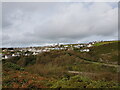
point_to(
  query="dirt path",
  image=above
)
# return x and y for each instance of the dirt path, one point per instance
(110, 65)
(91, 61)
(83, 73)
(77, 72)
(95, 62)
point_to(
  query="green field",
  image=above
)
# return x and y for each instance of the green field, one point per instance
(102, 43)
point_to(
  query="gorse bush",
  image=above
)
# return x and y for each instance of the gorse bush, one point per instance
(10, 65)
(12, 59)
(47, 70)
(83, 82)
(21, 79)
(26, 60)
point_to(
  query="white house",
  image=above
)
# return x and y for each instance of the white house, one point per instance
(89, 45)
(13, 55)
(81, 45)
(38, 51)
(61, 48)
(21, 50)
(77, 46)
(65, 46)
(35, 53)
(85, 50)
(93, 43)
(7, 56)
(44, 50)
(26, 54)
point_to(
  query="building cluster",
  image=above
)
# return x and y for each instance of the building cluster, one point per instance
(13, 52)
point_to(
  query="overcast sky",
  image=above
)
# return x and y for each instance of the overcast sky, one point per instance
(34, 24)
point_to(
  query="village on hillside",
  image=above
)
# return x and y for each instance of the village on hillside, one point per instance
(13, 52)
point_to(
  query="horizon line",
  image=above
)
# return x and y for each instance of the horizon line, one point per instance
(53, 44)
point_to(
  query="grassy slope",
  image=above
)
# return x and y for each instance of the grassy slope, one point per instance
(102, 43)
(57, 64)
(106, 53)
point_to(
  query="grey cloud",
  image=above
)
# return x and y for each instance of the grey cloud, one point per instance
(41, 23)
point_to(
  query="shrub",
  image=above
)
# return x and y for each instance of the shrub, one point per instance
(12, 66)
(83, 82)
